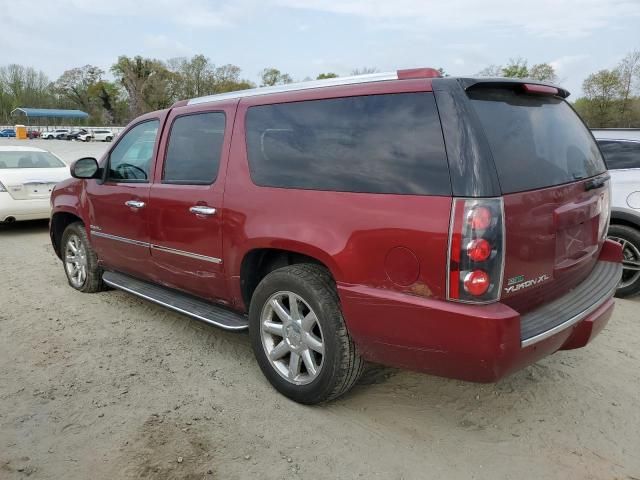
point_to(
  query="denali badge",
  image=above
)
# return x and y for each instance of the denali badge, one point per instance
(518, 283)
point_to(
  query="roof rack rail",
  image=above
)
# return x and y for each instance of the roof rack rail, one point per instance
(329, 82)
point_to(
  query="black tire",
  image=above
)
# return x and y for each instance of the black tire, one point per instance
(341, 363)
(93, 282)
(631, 253)
(108, 139)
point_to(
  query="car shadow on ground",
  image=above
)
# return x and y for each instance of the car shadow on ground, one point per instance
(20, 228)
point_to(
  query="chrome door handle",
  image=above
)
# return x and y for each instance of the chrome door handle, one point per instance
(134, 204)
(202, 210)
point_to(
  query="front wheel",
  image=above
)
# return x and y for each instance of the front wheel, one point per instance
(80, 261)
(629, 238)
(299, 337)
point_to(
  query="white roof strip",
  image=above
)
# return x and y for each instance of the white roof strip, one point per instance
(292, 87)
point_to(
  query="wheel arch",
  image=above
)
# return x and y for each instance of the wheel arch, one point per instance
(258, 262)
(59, 222)
(622, 217)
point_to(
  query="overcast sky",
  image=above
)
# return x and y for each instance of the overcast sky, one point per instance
(307, 37)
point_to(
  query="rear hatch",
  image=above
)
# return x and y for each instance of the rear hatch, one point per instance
(555, 190)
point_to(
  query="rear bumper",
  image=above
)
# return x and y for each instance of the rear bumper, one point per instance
(476, 343)
(23, 209)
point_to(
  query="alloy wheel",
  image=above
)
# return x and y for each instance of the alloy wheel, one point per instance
(630, 262)
(292, 337)
(75, 261)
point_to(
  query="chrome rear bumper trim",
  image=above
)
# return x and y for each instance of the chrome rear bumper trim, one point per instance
(572, 321)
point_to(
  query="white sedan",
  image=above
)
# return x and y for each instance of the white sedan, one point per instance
(27, 177)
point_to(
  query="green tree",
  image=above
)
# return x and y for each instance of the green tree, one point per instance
(272, 76)
(22, 86)
(193, 76)
(629, 72)
(226, 78)
(113, 101)
(519, 68)
(602, 91)
(76, 84)
(324, 76)
(543, 72)
(492, 71)
(147, 82)
(516, 68)
(198, 76)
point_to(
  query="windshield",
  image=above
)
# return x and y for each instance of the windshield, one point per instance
(536, 141)
(29, 160)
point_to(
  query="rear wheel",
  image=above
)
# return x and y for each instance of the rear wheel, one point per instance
(80, 261)
(299, 336)
(108, 139)
(629, 238)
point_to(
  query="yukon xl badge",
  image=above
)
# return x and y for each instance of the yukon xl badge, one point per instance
(518, 283)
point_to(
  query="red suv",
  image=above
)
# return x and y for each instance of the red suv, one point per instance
(450, 225)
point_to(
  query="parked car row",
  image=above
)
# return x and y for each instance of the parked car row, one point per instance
(11, 133)
(83, 135)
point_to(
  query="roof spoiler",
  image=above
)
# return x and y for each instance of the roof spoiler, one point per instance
(526, 84)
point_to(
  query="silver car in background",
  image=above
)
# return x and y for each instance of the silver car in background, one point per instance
(621, 150)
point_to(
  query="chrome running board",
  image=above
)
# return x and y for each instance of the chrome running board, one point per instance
(178, 301)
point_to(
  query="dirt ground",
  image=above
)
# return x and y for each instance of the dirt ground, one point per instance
(107, 386)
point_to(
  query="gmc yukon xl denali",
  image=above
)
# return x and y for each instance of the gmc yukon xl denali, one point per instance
(455, 226)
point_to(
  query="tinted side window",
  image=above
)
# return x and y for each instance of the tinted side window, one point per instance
(378, 143)
(620, 154)
(132, 157)
(195, 146)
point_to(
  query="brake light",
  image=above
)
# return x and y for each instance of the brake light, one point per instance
(477, 282)
(418, 73)
(476, 250)
(539, 89)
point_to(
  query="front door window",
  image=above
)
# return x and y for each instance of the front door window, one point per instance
(131, 159)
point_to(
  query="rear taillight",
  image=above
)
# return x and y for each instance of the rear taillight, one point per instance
(476, 250)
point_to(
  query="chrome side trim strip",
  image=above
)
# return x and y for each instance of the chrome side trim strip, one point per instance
(197, 256)
(94, 233)
(172, 307)
(572, 321)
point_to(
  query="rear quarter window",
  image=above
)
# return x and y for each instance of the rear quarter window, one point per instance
(378, 144)
(620, 154)
(536, 141)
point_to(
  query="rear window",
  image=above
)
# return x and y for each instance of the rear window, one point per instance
(620, 154)
(536, 141)
(29, 160)
(378, 144)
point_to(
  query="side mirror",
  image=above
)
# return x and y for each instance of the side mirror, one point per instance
(86, 168)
